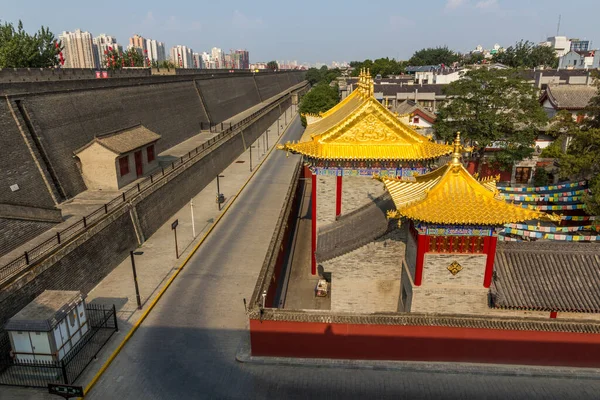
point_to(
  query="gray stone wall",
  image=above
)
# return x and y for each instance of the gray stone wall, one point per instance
(435, 269)
(15, 232)
(80, 269)
(67, 121)
(155, 209)
(226, 97)
(10, 75)
(18, 166)
(268, 86)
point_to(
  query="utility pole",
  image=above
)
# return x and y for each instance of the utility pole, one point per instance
(193, 224)
(137, 289)
(174, 229)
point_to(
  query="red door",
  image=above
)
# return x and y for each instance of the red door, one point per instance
(139, 170)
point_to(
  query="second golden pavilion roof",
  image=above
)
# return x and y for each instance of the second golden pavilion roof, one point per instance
(451, 195)
(361, 128)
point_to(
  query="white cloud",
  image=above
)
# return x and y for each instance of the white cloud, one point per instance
(455, 3)
(486, 4)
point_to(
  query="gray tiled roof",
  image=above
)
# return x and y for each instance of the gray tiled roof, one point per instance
(547, 276)
(125, 140)
(570, 97)
(409, 106)
(45, 311)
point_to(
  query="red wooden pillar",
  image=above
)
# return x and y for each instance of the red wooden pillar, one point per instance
(489, 264)
(313, 239)
(422, 247)
(338, 195)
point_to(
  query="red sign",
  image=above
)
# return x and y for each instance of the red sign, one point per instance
(97, 74)
(104, 74)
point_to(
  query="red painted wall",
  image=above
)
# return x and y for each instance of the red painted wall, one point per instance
(423, 343)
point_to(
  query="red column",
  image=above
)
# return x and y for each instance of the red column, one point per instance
(313, 205)
(422, 247)
(489, 264)
(338, 196)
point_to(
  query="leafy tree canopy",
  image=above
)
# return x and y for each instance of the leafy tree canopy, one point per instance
(434, 56)
(493, 107)
(272, 65)
(525, 54)
(117, 60)
(383, 66)
(319, 99)
(314, 75)
(18, 49)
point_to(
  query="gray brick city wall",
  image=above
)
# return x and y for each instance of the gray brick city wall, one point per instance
(81, 269)
(154, 210)
(284, 81)
(226, 97)
(15, 232)
(9, 75)
(68, 121)
(268, 86)
(18, 166)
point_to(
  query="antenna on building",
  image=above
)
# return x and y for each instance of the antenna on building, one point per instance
(558, 27)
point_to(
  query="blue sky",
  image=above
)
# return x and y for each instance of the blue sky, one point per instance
(316, 31)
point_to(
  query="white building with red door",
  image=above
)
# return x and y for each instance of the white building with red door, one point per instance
(116, 159)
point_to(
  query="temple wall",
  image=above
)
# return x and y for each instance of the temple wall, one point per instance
(435, 269)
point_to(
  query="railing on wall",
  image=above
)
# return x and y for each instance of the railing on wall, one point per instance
(37, 373)
(34, 255)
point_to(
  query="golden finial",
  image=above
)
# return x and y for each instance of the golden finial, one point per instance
(456, 155)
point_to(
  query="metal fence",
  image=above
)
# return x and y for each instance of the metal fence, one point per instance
(35, 254)
(36, 373)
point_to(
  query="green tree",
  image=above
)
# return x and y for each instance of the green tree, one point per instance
(525, 54)
(313, 76)
(384, 66)
(319, 99)
(434, 56)
(272, 65)
(475, 58)
(592, 110)
(18, 49)
(115, 59)
(493, 106)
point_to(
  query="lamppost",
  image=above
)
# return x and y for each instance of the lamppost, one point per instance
(250, 149)
(220, 196)
(137, 289)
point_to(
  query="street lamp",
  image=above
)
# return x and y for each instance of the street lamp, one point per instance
(137, 289)
(250, 149)
(220, 196)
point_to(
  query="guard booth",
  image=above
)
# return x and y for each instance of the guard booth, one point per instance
(48, 327)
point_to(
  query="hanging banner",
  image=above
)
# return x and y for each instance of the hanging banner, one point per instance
(555, 208)
(549, 228)
(578, 218)
(581, 184)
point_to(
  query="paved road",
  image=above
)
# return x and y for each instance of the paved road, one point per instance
(186, 347)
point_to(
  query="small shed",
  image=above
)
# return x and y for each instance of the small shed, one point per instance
(113, 160)
(48, 327)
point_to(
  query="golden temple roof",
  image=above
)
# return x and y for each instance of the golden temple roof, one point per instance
(361, 128)
(451, 195)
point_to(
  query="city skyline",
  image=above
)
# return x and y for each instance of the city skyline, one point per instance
(270, 31)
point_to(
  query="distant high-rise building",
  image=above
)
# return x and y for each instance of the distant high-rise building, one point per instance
(240, 59)
(207, 61)
(182, 57)
(138, 42)
(102, 44)
(198, 62)
(78, 49)
(156, 50)
(218, 57)
(560, 44)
